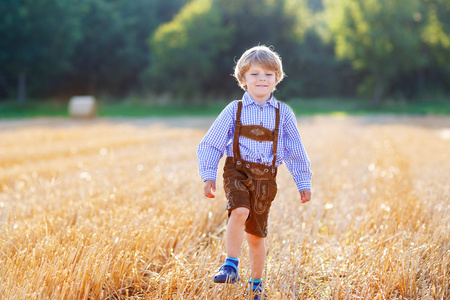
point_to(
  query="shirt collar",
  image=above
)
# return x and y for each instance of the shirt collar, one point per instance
(248, 100)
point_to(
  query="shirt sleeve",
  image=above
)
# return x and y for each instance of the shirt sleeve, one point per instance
(295, 156)
(213, 145)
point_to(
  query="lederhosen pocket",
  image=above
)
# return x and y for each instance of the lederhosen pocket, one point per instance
(265, 194)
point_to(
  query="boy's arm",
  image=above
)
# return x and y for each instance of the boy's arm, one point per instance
(213, 145)
(296, 158)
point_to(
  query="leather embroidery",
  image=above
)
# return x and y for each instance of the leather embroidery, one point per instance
(261, 202)
(257, 131)
(257, 172)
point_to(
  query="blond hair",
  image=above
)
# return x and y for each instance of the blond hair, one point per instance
(262, 56)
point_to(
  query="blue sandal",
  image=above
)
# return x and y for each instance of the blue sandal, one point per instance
(228, 273)
(257, 292)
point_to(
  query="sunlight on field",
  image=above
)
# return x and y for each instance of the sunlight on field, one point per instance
(115, 211)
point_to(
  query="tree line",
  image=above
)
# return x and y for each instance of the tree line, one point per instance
(187, 49)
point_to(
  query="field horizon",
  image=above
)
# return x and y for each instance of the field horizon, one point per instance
(113, 208)
(151, 107)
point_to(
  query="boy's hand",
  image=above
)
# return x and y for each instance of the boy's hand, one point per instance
(209, 188)
(305, 195)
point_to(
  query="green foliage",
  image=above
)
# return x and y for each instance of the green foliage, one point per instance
(390, 39)
(136, 107)
(436, 30)
(103, 49)
(184, 49)
(314, 72)
(436, 36)
(379, 36)
(113, 52)
(195, 52)
(37, 40)
(188, 48)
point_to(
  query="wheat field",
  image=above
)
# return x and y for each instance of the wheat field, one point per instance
(113, 209)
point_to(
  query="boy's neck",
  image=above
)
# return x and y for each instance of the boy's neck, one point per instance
(261, 100)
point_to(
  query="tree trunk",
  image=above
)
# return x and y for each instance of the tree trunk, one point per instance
(92, 84)
(21, 88)
(421, 80)
(379, 89)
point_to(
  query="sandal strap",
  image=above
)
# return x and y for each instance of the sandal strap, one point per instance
(229, 264)
(256, 286)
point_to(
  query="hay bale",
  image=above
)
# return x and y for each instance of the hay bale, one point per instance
(83, 107)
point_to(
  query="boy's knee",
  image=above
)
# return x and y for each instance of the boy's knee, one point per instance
(254, 238)
(240, 213)
(255, 241)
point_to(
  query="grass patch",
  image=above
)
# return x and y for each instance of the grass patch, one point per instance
(33, 108)
(362, 107)
(124, 108)
(143, 108)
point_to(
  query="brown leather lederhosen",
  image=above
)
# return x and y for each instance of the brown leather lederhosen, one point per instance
(249, 184)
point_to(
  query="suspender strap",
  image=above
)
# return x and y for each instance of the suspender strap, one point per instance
(275, 138)
(237, 130)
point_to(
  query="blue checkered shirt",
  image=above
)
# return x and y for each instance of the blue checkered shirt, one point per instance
(219, 140)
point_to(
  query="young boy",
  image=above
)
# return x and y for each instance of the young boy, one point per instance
(257, 134)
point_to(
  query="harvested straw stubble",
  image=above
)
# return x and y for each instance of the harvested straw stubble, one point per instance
(115, 211)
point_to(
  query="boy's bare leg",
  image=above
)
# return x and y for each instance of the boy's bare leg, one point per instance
(235, 231)
(257, 252)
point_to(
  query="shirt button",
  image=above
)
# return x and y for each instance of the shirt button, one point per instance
(261, 123)
(261, 109)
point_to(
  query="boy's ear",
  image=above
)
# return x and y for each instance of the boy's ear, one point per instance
(278, 80)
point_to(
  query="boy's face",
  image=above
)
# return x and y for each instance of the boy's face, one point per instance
(260, 83)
